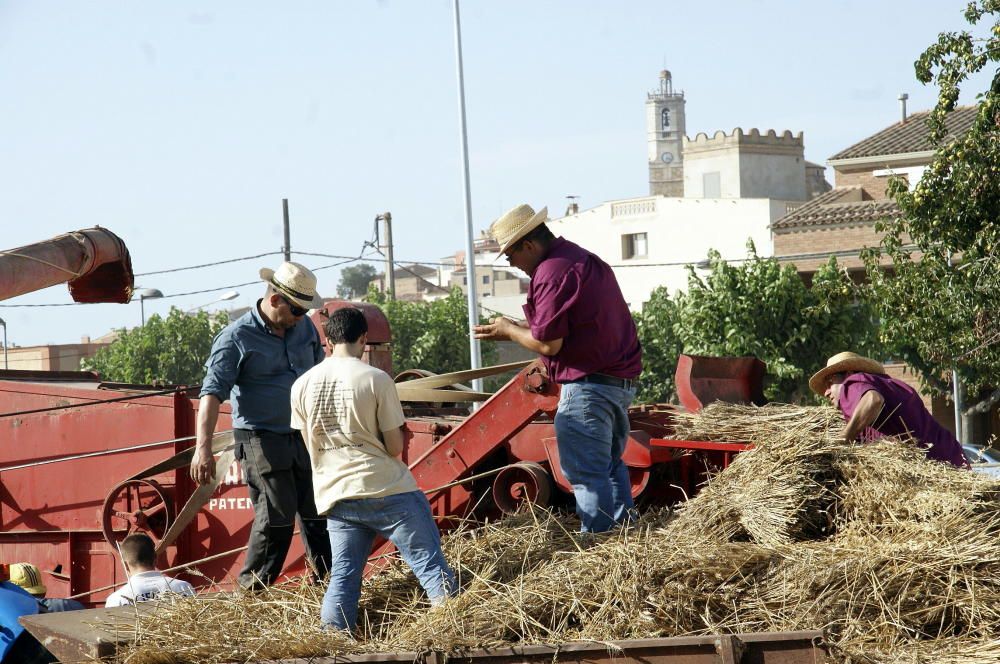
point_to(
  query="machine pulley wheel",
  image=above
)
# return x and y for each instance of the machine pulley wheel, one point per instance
(522, 482)
(136, 506)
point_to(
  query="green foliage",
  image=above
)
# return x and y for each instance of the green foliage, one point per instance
(354, 280)
(661, 345)
(164, 351)
(430, 335)
(758, 307)
(938, 304)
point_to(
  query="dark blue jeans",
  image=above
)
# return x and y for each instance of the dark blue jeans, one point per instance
(405, 520)
(591, 429)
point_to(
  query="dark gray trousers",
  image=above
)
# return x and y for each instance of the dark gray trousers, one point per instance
(279, 477)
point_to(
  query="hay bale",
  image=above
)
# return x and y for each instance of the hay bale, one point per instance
(897, 558)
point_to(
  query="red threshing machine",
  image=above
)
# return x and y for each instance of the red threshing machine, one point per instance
(83, 462)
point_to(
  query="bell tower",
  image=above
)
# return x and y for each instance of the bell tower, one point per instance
(665, 138)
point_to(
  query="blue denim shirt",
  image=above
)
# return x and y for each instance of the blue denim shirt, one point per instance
(255, 369)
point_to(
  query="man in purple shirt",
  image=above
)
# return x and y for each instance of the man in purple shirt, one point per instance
(876, 405)
(579, 323)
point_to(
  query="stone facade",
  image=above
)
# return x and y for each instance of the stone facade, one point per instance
(665, 126)
(745, 164)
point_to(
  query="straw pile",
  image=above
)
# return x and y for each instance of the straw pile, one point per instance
(895, 557)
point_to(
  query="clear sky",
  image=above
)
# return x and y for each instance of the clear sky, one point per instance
(181, 125)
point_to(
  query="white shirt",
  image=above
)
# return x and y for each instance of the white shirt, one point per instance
(342, 406)
(146, 586)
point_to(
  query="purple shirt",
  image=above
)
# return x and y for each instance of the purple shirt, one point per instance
(574, 296)
(903, 414)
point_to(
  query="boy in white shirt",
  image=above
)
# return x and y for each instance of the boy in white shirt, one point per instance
(145, 582)
(352, 423)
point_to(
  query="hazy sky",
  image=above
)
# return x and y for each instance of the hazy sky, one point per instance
(181, 125)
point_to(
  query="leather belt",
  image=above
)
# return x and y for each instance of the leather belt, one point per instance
(603, 379)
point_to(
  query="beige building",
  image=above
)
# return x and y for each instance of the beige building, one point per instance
(413, 282)
(491, 280)
(841, 222)
(54, 357)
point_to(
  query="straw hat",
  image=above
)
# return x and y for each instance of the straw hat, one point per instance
(846, 362)
(516, 223)
(28, 577)
(295, 282)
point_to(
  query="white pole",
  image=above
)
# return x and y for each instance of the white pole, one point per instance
(956, 385)
(470, 245)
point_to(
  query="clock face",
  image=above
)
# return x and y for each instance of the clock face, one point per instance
(667, 157)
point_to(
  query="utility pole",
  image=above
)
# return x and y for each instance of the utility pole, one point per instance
(287, 248)
(390, 266)
(475, 358)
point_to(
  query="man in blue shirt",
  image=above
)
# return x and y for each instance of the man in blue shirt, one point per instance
(254, 362)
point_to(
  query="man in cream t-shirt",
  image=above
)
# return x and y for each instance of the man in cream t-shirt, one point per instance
(352, 423)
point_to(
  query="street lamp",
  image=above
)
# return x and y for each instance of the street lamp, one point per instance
(230, 295)
(147, 294)
(4, 324)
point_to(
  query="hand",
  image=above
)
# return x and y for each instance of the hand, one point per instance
(202, 465)
(497, 329)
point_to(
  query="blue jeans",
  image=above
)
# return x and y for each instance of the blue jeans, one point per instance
(591, 429)
(405, 520)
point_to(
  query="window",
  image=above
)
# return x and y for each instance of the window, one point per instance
(634, 246)
(711, 185)
(665, 120)
(486, 278)
(465, 281)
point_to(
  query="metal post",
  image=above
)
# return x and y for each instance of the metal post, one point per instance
(287, 248)
(956, 389)
(142, 309)
(956, 382)
(4, 324)
(470, 245)
(390, 265)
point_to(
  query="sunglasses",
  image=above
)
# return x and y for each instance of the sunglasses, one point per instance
(294, 308)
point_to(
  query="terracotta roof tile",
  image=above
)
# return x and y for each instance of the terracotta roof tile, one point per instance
(909, 136)
(845, 205)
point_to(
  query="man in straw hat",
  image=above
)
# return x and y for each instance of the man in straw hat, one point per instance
(254, 362)
(876, 405)
(579, 323)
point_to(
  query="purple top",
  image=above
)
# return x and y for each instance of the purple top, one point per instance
(574, 296)
(903, 414)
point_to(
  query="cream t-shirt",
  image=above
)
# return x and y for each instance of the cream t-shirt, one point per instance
(342, 406)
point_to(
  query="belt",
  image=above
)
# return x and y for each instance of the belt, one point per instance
(603, 379)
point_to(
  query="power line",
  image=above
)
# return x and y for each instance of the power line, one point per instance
(198, 267)
(351, 259)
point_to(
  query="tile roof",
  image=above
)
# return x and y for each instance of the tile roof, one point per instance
(844, 205)
(909, 136)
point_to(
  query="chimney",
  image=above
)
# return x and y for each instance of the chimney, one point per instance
(902, 107)
(573, 206)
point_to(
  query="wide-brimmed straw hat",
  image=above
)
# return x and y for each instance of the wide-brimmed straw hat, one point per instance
(846, 362)
(516, 223)
(295, 282)
(28, 577)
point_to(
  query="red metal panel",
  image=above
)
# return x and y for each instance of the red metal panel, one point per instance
(482, 434)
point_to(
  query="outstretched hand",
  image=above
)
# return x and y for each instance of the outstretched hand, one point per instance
(497, 329)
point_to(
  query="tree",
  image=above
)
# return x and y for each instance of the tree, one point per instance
(354, 280)
(661, 345)
(760, 308)
(938, 304)
(430, 335)
(171, 350)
